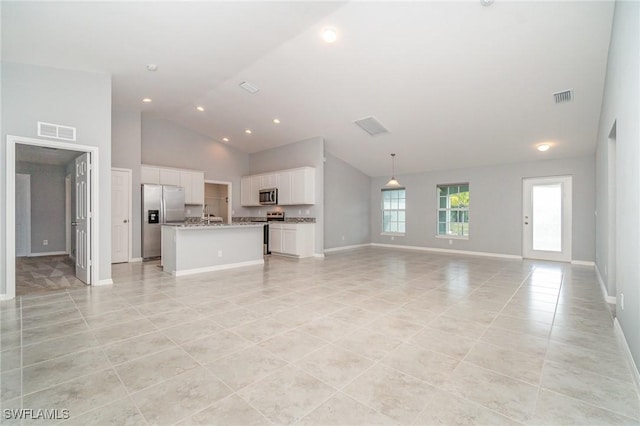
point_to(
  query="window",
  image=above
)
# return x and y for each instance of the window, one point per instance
(453, 210)
(393, 211)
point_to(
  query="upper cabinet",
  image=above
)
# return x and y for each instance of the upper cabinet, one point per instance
(193, 184)
(295, 187)
(191, 180)
(149, 174)
(170, 177)
(269, 181)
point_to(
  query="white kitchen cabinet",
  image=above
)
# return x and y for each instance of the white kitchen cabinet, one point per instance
(169, 177)
(292, 239)
(191, 180)
(295, 187)
(249, 188)
(303, 186)
(284, 188)
(275, 238)
(193, 184)
(269, 181)
(149, 174)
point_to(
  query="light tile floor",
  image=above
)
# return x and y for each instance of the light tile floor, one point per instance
(367, 336)
(45, 274)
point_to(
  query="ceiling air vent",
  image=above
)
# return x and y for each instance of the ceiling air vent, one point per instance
(563, 97)
(56, 131)
(371, 126)
(249, 87)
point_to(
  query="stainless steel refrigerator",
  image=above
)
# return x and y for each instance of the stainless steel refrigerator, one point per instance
(160, 204)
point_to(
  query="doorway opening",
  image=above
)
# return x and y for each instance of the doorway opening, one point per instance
(217, 201)
(57, 194)
(547, 218)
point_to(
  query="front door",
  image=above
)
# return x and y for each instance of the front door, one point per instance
(120, 196)
(83, 218)
(547, 218)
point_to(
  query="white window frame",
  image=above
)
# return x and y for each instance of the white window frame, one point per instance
(383, 210)
(449, 209)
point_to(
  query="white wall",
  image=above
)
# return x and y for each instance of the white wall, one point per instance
(74, 98)
(47, 206)
(347, 204)
(621, 105)
(167, 144)
(126, 152)
(495, 213)
(309, 152)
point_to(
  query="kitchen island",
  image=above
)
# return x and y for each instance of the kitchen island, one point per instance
(195, 248)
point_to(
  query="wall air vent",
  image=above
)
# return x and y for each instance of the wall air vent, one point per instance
(371, 126)
(56, 131)
(563, 97)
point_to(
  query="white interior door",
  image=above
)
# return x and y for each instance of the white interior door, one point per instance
(547, 218)
(23, 215)
(83, 218)
(120, 209)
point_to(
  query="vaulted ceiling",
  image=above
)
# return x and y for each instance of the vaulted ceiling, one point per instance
(457, 84)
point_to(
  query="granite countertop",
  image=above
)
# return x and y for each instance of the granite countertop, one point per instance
(196, 225)
(255, 219)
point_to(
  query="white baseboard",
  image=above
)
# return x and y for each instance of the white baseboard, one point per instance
(135, 259)
(5, 297)
(217, 268)
(108, 281)
(330, 250)
(49, 253)
(450, 251)
(319, 255)
(627, 354)
(603, 287)
(583, 263)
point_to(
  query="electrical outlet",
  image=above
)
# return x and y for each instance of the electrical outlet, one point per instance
(188, 211)
(622, 301)
(343, 238)
(299, 211)
(308, 211)
(450, 242)
(393, 238)
(219, 253)
(45, 242)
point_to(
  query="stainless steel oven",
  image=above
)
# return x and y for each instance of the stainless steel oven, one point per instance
(268, 196)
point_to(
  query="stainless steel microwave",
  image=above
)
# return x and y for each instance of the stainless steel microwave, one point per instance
(269, 196)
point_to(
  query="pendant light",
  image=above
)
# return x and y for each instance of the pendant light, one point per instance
(393, 182)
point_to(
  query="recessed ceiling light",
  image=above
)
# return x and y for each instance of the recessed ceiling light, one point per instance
(329, 34)
(146, 100)
(276, 121)
(486, 2)
(152, 67)
(247, 131)
(199, 108)
(225, 139)
(543, 147)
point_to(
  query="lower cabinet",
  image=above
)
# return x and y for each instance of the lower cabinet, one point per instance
(293, 239)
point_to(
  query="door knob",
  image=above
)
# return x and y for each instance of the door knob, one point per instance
(526, 223)
(125, 221)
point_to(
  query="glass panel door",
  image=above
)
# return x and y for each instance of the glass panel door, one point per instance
(547, 217)
(546, 224)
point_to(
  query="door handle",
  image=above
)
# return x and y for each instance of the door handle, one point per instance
(526, 223)
(125, 221)
(74, 223)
